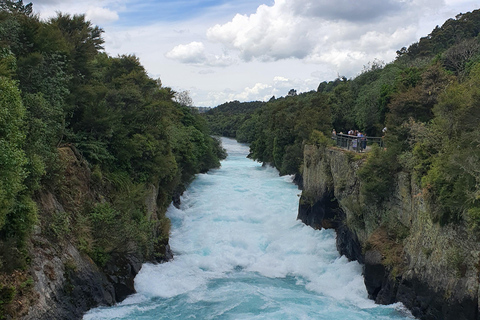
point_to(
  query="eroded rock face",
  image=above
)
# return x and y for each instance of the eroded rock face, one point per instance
(375, 274)
(432, 269)
(348, 244)
(324, 213)
(121, 271)
(67, 283)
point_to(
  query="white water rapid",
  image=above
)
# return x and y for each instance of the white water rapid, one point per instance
(240, 253)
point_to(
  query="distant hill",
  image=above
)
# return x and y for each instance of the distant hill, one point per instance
(225, 119)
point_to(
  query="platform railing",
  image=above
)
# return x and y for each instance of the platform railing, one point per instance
(355, 143)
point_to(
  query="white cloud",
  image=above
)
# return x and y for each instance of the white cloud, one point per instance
(194, 52)
(272, 33)
(343, 36)
(280, 79)
(99, 15)
(47, 2)
(98, 11)
(347, 10)
(278, 86)
(258, 90)
(206, 71)
(344, 61)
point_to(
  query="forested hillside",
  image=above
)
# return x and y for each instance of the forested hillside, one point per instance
(429, 100)
(226, 119)
(61, 96)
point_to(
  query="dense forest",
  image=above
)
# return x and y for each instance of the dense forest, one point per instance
(226, 119)
(59, 91)
(62, 95)
(429, 100)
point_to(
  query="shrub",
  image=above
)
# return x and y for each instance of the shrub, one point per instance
(377, 175)
(473, 219)
(6, 296)
(319, 139)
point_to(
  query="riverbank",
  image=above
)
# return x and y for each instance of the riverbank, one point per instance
(408, 258)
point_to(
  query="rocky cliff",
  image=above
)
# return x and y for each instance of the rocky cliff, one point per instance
(65, 281)
(432, 269)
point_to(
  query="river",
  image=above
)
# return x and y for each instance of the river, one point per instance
(240, 253)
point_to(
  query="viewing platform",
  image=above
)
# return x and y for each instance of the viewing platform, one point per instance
(356, 143)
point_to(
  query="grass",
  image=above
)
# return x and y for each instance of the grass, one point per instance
(390, 248)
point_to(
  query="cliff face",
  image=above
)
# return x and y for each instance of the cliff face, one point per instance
(66, 281)
(432, 269)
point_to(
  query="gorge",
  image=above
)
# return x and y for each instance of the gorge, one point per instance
(240, 253)
(93, 152)
(431, 269)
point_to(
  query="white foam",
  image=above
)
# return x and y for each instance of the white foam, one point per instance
(124, 309)
(235, 233)
(227, 222)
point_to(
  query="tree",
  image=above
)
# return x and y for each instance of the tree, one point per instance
(16, 7)
(456, 57)
(83, 41)
(12, 137)
(184, 98)
(292, 93)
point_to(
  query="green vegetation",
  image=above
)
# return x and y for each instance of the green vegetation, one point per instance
(277, 129)
(6, 296)
(226, 119)
(456, 261)
(387, 242)
(377, 174)
(101, 137)
(93, 130)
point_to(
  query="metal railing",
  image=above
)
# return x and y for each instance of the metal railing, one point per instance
(354, 143)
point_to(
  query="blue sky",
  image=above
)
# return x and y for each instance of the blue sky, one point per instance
(223, 50)
(152, 11)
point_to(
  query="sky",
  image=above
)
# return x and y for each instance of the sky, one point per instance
(246, 50)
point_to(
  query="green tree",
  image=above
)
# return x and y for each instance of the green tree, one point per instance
(16, 7)
(451, 174)
(12, 156)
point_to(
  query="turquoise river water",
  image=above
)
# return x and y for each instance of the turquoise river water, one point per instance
(240, 253)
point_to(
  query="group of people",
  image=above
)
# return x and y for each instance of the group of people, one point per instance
(358, 144)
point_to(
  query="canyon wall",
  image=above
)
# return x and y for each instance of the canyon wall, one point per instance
(66, 281)
(432, 269)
